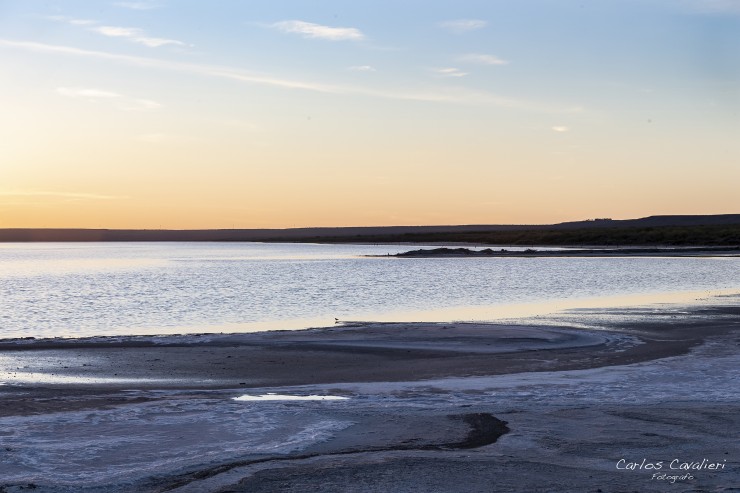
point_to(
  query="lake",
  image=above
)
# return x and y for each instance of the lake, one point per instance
(87, 289)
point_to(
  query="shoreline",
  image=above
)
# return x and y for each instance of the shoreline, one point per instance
(537, 312)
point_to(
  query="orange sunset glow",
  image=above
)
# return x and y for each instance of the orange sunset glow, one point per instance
(268, 123)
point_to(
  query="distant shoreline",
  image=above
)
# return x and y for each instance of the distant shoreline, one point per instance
(530, 252)
(704, 230)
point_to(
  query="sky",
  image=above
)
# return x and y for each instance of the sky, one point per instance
(232, 114)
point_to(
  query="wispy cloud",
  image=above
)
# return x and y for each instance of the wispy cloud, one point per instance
(65, 195)
(460, 26)
(137, 5)
(449, 72)
(560, 129)
(120, 101)
(156, 42)
(136, 35)
(117, 32)
(86, 93)
(133, 34)
(317, 31)
(362, 68)
(72, 20)
(206, 70)
(140, 105)
(483, 59)
(440, 95)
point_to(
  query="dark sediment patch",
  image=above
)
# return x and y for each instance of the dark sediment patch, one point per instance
(484, 429)
(21, 401)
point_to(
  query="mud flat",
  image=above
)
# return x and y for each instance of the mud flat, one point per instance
(645, 403)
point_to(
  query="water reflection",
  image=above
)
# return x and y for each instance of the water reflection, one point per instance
(124, 289)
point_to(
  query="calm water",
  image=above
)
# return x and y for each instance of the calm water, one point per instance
(137, 288)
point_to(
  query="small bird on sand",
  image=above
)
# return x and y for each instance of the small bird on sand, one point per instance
(336, 320)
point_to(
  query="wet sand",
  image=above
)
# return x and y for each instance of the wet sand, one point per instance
(431, 407)
(351, 352)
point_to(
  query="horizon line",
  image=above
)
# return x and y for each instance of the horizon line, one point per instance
(588, 220)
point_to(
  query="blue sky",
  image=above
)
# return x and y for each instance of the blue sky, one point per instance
(120, 113)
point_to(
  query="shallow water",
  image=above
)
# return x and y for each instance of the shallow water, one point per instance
(79, 289)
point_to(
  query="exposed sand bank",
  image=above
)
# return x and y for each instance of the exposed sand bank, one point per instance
(350, 353)
(430, 407)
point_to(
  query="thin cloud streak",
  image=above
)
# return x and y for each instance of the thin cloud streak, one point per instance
(133, 34)
(317, 31)
(136, 35)
(117, 32)
(461, 26)
(72, 21)
(141, 105)
(449, 72)
(137, 5)
(71, 92)
(120, 101)
(483, 59)
(65, 195)
(442, 95)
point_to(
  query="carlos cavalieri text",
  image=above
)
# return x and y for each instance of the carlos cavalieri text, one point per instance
(675, 465)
